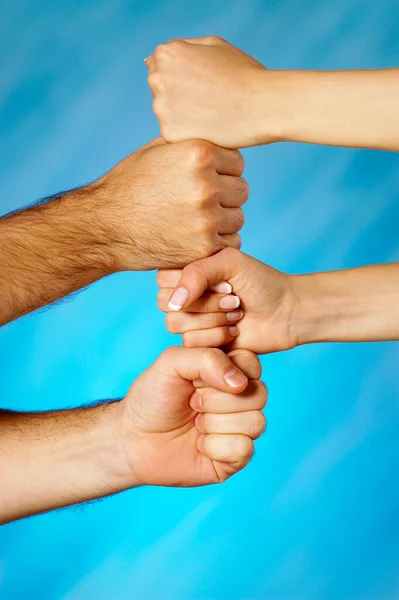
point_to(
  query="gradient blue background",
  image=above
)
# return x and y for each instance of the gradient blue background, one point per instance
(316, 514)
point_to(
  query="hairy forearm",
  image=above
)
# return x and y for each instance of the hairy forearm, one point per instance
(355, 305)
(51, 460)
(338, 108)
(51, 250)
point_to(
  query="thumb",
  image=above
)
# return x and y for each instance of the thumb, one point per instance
(150, 63)
(210, 365)
(197, 277)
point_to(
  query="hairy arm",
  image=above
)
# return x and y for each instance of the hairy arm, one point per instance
(55, 459)
(163, 206)
(49, 251)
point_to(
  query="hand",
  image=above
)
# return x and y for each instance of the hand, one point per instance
(190, 419)
(167, 205)
(263, 323)
(206, 88)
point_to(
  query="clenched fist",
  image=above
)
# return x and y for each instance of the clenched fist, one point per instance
(169, 204)
(191, 418)
(206, 88)
(260, 315)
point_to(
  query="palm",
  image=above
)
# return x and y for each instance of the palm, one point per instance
(166, 433)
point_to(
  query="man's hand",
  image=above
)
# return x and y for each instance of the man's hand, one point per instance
(259, 316)
(190, 419)
(167, 205)
(164, 206)
(209, 89)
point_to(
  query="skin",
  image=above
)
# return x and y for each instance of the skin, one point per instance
(163, 206)
(189, 420)
(278, 311)
(206, 88)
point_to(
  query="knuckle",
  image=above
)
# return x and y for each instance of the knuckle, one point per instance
(204, 192)
(258, 424)
(209, 246)
(161, 300)
(214, 39)
(212, 357)
(237, 242)
(243, 188)
(207, 227)
(195, 272)
(199, 152)
(245, 447)
(240, 161)
(174, 322)
(229, 254)
(262, 394)
(233, 241)
(158, 105)
(170, 353)
(190, 339)
(163, 50)
(240, 219)
(168, 130)
(155, 81)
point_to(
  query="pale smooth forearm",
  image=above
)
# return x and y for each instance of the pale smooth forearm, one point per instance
(52, 460)
(339, 108)
(355, 305)
(50, 251)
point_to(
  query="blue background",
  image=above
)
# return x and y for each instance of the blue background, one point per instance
(316, 514)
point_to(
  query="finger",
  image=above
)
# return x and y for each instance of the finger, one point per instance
(209, 400)
(209, 40)
(181, 322)
(208, 303)
(247, 362)
(197, 277)
(231, 240)
(150, 63)
(235, 191)
(232, 220)
(169, 278)
(235, 448)
(212, 366)
(210, 338)
(228, 162)
(251, 423)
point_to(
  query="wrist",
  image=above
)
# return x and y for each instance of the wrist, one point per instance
(126, 245)
(110, 450)
(77, 220)
(326, 308)
(270, 109)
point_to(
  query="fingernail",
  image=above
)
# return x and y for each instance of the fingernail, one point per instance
(233, 331)
(235, 378)
(235, 315)
(178, 298)
(196, 400)
(145, 60)
(222, 288)
(229, 302)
